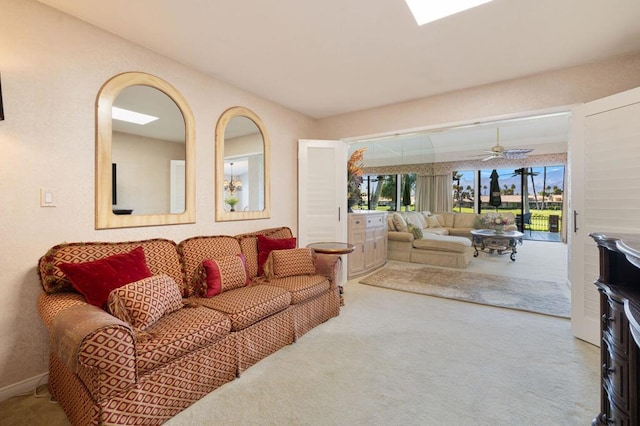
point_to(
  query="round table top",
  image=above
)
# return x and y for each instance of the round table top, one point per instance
(492, 233)
(332, 247)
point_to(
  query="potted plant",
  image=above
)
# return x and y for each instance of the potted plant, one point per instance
(232, 201)
(354, 177)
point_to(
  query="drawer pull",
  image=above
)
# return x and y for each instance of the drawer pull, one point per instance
(606, 319)
(607, 370)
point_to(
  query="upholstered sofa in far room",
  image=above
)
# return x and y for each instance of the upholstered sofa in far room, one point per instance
(202, 313)
(438, 239)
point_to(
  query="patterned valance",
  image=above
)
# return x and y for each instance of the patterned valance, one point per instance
(436, 169)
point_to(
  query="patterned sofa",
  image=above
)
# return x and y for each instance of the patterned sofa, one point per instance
(105, 370)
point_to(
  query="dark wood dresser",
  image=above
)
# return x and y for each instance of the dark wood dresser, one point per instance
(619, 286)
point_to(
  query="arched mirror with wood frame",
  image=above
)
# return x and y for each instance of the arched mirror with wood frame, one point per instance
(145, 153)
(242, 166)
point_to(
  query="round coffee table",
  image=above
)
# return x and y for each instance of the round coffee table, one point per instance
(487, 240)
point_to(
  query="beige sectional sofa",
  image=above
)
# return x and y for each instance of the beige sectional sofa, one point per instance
(438, 239)
(201, 316)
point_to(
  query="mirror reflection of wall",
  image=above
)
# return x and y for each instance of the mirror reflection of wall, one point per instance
(244, 147)
(144, 153)
(242, 172)
(243, 181)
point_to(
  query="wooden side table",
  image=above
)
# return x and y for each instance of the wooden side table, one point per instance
(334, 249)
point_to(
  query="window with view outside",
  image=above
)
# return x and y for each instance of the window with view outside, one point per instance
(464, 190)
(542, 194)
(381, 192)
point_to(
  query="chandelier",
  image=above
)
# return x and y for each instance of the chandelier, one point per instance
(232, 185)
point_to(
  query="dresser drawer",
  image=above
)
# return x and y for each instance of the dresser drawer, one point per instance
(615, 378)
(357, 222)
(619, 417)
(375, 222)
(615, 325)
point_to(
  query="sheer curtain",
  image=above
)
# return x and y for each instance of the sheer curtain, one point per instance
(434, 194)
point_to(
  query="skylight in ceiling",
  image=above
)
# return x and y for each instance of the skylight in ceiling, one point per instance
(131, 116)
(425, 11)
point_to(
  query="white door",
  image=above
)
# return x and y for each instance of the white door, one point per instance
(322, 193)
(177, 187)
(604, 174)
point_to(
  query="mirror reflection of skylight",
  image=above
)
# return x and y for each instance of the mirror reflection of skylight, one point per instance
(425, 11)
(131, 116)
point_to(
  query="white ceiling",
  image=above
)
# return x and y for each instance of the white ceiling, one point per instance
(329, 57)
(545, 134)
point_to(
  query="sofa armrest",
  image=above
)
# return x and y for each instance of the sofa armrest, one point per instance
(329, 266)
(96, 346)
(400, 236)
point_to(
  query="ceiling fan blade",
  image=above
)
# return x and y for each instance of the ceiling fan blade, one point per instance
(491, 157)
(518, 151)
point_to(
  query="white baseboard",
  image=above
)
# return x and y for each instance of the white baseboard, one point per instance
(24, 387)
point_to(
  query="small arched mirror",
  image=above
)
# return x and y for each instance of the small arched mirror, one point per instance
(242, 166)
(145, 148)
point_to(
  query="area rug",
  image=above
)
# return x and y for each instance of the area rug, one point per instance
(543, 297)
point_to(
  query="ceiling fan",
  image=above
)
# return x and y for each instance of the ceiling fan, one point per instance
(498, 151)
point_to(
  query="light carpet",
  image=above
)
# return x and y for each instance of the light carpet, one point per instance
(391, 358)
(544, 297)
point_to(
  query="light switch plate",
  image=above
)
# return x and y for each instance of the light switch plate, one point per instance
(47, 198)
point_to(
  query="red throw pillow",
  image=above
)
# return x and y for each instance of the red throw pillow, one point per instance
(95, 280)
(266, 245)
(225, 273)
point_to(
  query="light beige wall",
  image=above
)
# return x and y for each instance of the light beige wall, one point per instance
(539, 92)
(143, 172)
(52, 67)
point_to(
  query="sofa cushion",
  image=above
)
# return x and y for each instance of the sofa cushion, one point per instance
(464, 220)
(223, 274)
(435, 231)
(267, 244)
(302, 287)
(179, 333)
(433, 222)
(249, 245)
(399, 223)
(247, 305)
(95, 279)
(160, 254)
(445, 219)
(287, 263)
(142, 303)
(415, 231)
(416, 219)
(193, 251)
(443, 243)
(390, 225)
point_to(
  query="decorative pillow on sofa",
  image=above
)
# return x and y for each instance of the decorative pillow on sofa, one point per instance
(416, 219)
(287, 263)
(95, 279)
(399, 223)
(266, 245)
(222, 274)
(433, 222)
(144, 302)
(441, 220)
(417, 232)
